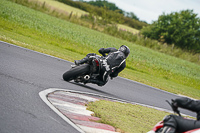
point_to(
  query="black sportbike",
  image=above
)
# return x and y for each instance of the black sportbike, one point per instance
(82, 73)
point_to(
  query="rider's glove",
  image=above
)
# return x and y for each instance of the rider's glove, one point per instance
(198, 116)
(174, 106)
(101, 51)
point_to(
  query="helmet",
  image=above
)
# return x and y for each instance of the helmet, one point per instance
(125, 50)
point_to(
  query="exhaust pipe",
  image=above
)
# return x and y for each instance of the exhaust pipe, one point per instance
(86, 77)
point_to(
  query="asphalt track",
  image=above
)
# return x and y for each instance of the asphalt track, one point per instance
(24, 73)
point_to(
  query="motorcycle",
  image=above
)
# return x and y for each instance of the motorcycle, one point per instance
(158, 128)
(82, 73)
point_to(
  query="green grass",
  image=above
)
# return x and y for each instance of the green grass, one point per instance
(126, 117)
(126, 28)
(35, 30)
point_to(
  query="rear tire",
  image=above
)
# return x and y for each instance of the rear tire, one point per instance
(76, 71)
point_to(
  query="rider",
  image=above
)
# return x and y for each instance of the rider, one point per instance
(174, 123)
(113, 63)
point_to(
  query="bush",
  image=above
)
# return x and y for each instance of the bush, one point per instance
(181, 29)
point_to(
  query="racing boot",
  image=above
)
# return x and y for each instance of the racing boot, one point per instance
(95, 81)
(82, 61)
(168, 129)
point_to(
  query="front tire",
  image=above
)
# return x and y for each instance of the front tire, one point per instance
(76, 71)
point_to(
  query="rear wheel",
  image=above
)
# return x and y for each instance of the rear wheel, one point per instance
(76, 71)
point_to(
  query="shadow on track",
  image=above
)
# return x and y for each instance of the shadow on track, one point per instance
(92, 88)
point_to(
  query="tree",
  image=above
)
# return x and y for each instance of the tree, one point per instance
(181, 29)
(131, 15)
(104, 3)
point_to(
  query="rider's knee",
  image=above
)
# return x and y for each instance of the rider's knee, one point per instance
(170, 120)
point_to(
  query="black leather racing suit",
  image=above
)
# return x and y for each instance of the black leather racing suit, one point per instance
(179, 123)
(113, 64)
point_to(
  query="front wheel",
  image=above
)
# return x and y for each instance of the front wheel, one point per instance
(76, 71)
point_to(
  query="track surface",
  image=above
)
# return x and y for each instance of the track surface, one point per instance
(24, 73)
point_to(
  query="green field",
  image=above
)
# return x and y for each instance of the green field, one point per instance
(41, 32)
(129, 29)
(55, 5)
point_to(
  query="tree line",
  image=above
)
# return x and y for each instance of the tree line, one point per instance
(108, 12)
(113, 7)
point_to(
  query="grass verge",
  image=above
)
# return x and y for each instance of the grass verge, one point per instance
(125, 117)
